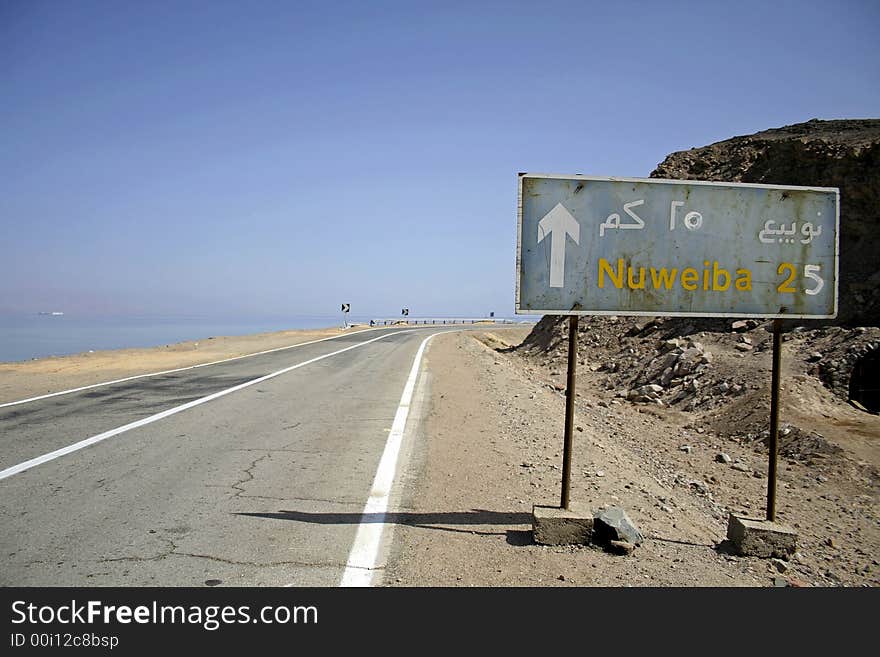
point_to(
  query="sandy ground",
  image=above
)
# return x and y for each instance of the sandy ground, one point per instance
(46, 375)
(492, 449)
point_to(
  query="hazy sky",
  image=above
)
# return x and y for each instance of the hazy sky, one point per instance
(284, 157)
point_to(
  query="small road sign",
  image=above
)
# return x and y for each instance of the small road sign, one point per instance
(644, 246)
(404, 311)
(346, 307)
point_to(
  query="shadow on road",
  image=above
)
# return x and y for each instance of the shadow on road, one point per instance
(424, 520)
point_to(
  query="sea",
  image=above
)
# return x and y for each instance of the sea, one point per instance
(26, 337)
(31, 336)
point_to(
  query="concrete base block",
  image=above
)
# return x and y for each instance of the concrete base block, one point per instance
(751, 537)
(553, 525)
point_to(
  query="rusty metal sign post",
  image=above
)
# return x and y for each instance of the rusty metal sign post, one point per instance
(569, 410)
(675, 248)
(773, 447)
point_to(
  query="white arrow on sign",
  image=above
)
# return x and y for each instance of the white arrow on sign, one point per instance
(557, 223)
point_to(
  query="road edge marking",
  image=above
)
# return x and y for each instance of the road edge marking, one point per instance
(51, 456)
(179, 369)
(364, 554)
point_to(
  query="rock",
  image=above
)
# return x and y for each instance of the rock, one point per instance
(669, 345)
(623, 548)
(814, 357)
(667, 361)
(645, 394)
(643, 327)
(798, 583)
(740, 325)
(742, 467)
(687, 449)
(699, 486)
(613, 524)
(600, 473)
(743, 347)
(678, 394)
(691, 354)
(745, 339)
(722, 458)
(780, 564)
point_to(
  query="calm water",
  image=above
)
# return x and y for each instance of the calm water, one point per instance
(23, 337)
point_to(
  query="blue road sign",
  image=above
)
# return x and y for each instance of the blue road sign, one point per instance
(644, 246)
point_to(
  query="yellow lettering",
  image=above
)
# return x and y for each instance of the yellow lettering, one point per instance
(605, 268)
(664, 277)
(629, 275)
(785, 286)
(713, 277)
(716, 274)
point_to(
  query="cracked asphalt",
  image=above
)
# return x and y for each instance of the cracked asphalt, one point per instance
(238, 489)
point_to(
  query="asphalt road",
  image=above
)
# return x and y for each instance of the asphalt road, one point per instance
(260, 487)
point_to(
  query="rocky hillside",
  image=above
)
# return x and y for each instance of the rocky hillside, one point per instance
(843, 154)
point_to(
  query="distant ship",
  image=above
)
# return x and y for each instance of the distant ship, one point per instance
(54, 314)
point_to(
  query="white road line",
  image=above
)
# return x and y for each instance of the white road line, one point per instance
(27, 465)
(179, 369)
(362, 560)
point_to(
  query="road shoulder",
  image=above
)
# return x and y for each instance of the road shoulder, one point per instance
(493, 438)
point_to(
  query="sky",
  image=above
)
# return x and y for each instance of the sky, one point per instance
(264, 158)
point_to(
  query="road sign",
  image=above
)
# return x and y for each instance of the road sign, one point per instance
(404, 311)
(642, 246)
(346, 307)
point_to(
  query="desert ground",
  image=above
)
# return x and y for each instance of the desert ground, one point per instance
(492, 444)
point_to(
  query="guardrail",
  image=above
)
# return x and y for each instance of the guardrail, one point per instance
(440, 320)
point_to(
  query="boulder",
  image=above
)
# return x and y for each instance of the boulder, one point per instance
(613, 524)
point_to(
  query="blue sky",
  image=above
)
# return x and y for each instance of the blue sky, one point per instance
(285, 157)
